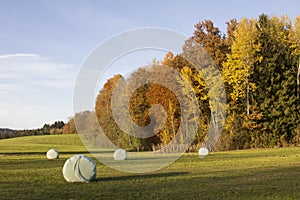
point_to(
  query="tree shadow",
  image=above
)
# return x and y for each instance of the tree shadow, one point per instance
(60, 152)
(141, 176)
(40, 153)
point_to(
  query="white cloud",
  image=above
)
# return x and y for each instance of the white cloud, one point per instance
(4, 88)
(32, 70)
(34, 90)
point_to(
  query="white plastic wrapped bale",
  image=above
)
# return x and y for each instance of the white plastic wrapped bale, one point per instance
(52, 154)
(120, 154)
(79, 168)
(203, 152)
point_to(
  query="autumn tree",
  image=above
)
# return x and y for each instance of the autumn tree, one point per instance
(259, 63)
(192, 77)
(215, 43)
(106, 119)
(69, 127)
(237, 71)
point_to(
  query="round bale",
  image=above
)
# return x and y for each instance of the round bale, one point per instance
(203, 152)
(79, 168)
(52, 154)
(120, 154)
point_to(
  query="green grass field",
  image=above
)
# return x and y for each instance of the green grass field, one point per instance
(25, 173)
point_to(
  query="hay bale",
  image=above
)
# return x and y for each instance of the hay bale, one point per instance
(52, 154)
(79, 168)
(203, 152)
(120, 154)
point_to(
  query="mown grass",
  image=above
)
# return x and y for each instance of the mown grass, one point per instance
(251, 174)
(40, 144)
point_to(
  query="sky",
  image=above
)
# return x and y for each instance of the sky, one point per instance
(43, 45)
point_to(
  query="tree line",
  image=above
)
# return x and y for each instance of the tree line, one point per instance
(47, 129)
(258, 60)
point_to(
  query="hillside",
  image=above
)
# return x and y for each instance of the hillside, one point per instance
(40, 144)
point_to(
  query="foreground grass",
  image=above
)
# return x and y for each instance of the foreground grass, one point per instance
(251, 174)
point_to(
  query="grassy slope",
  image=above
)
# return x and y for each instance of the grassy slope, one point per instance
(251, 174)
(40, 144)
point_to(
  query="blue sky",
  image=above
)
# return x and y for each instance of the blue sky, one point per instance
(44, 43)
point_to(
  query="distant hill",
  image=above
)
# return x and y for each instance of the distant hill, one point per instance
(6, 130)
(6, 133)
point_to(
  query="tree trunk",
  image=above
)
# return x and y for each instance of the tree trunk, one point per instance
(298, 81)
(248, 110)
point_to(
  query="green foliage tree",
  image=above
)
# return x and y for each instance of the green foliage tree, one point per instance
(275, 74)
(295, 45)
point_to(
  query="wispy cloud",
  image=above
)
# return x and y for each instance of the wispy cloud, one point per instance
(4, 88)
(16, 55)
(32, 70)
(32, 85)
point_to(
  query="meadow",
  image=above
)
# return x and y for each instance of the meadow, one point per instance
(25, 173)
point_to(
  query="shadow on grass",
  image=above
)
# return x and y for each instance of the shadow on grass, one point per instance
(147, 158)
(44, 153)
(261, 183)
(141, 176)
